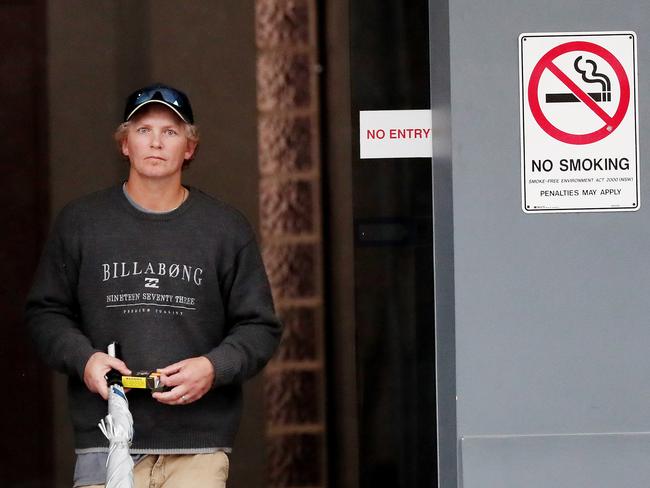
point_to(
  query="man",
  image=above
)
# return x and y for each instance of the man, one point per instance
(176, 278)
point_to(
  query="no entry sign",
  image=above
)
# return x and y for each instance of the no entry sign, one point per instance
(579, 130)
(395, 134)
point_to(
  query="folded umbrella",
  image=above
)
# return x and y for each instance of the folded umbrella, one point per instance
(117, 426)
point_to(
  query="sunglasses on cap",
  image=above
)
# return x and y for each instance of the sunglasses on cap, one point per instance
(176, 100)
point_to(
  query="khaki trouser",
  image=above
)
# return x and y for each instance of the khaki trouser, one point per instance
(181, 471)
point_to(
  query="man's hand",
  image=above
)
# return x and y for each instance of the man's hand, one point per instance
(95, 372)
(190, 379)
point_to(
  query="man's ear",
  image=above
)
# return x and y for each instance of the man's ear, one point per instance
(125, 148)
(191, 147)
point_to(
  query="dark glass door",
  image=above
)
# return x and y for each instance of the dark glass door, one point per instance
(26, 411)
(393, 269)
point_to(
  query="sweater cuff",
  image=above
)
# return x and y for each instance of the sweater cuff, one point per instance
(226, 365)
(81, 359)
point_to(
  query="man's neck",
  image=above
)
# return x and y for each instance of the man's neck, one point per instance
(162, 195)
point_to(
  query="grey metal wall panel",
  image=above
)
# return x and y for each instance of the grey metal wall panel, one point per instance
(551, 312)
(594, 461)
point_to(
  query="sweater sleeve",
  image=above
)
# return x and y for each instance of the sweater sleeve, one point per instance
(52, 311)
(254, 330)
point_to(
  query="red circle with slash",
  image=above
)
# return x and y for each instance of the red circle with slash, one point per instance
(610, 122)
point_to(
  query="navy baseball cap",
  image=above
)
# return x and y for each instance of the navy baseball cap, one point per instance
(175, 99)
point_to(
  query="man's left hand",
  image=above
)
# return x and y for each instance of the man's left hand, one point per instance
(190, 379)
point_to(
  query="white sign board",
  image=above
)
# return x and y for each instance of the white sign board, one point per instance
(395, 134)
(579, 122)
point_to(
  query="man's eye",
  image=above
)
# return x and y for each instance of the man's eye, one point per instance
(142, 130)
(171, 132)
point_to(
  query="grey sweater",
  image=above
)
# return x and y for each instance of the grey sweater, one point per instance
(167, 287)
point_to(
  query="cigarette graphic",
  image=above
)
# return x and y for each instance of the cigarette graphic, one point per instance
(589, 75)
(570, 97)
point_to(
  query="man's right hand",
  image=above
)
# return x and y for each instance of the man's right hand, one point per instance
(97, 366)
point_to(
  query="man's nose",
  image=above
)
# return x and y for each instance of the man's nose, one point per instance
(156, 141)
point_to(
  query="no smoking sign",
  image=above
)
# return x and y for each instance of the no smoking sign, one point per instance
(579, 130)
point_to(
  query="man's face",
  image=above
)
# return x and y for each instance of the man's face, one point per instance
(156, 143)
